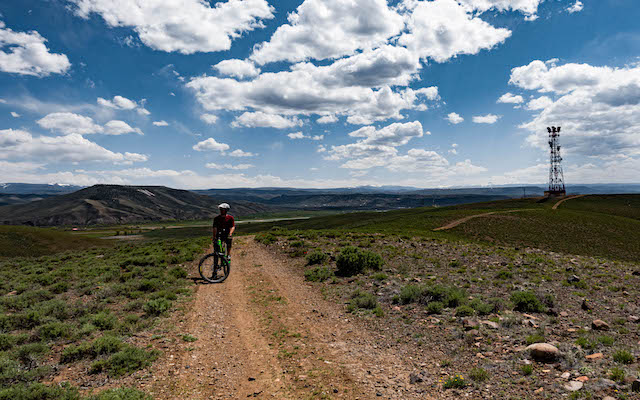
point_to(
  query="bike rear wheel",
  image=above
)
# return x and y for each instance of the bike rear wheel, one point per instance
(213, 272)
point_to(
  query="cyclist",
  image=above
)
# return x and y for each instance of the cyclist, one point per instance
(223, 227)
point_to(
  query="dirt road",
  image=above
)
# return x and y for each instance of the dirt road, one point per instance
(457, 222)
(555, 206)
(267, 333)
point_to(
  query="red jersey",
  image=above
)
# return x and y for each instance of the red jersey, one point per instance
(224, 223)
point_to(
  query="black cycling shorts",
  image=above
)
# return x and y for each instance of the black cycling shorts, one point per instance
(228, 241)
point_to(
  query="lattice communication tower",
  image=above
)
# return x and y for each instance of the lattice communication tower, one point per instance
(556, 177)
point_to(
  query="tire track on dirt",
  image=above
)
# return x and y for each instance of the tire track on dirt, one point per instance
(555, 206)
(266, 323)
(460, 221)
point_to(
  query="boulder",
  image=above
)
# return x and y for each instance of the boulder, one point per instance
(633, 318)
(490, 324)
(586, 305)
(635, 386)
(600, 325)
(594, 357)
(543, 352)
(574, 386)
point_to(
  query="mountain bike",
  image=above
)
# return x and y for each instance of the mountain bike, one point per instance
(215, 267)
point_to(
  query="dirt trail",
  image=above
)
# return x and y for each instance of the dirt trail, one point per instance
(457, 222)
(555, 206)
(267, 333)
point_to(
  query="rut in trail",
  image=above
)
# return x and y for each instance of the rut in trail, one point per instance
(266, 333)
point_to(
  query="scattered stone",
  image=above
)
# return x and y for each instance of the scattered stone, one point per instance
(539, 390)
(573, 278)
(636, 273)
(633, 318)
(566, 376)
(12, 293)
(574, 386)
(586, 305)
(635, 386)
(594, 357)
(600, 325)
(490, 324)
(564, 314)
(416, 378)
(582, 379)
(251, 379)
(608, 398)
(469, 324)
(543, 352)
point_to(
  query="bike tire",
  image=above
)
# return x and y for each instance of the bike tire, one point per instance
(205, 270)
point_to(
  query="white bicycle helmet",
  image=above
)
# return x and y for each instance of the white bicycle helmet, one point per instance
(225, 206)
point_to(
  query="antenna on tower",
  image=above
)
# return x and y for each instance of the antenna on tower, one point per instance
(556, 176)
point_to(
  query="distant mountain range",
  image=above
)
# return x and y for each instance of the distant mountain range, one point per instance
(113, 204)
(47, 205)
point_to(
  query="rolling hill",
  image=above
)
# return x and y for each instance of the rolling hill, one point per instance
(595, 225)
(114, 204)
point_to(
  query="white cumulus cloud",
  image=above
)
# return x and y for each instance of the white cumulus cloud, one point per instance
(25, 53)
(261, 119)
(486, 119)
(68, 148)
(454, 118)
(575, 7)
(211, 145)
(209, 118)
(321, 29)
(116, 127)
(509, 98)
(185, 26)
(229, 166)
(160, 123)
(70, 123)
(237, 68)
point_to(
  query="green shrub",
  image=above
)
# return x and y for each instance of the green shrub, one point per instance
(38, 391)
(409, 294)
(54, 330)
(449, 296)
(479, 374)
(74, 352)
(526, 301)
(606, 340)
(623, 357)
(318, 274)
(535, 338)
(585, 343)
(617, 374)
(352, 261)
(104, 320)
(380, 276)
(125, 362)
(481, 307)
(435, 307)
(189, 338)
(265, 238)
(360, 299)
(504, 275)
(121, 394)
(317, 257)
(526, 369)
(7, 341)
(106, 345)
(157, 307)
(454, 382)
(297, 244)
(178, 272)
(464, 311)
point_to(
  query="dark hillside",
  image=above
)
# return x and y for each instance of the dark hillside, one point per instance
(114, 204)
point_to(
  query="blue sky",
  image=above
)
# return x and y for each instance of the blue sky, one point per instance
(317, 93)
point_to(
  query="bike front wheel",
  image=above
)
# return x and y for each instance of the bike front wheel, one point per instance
(214, 268)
